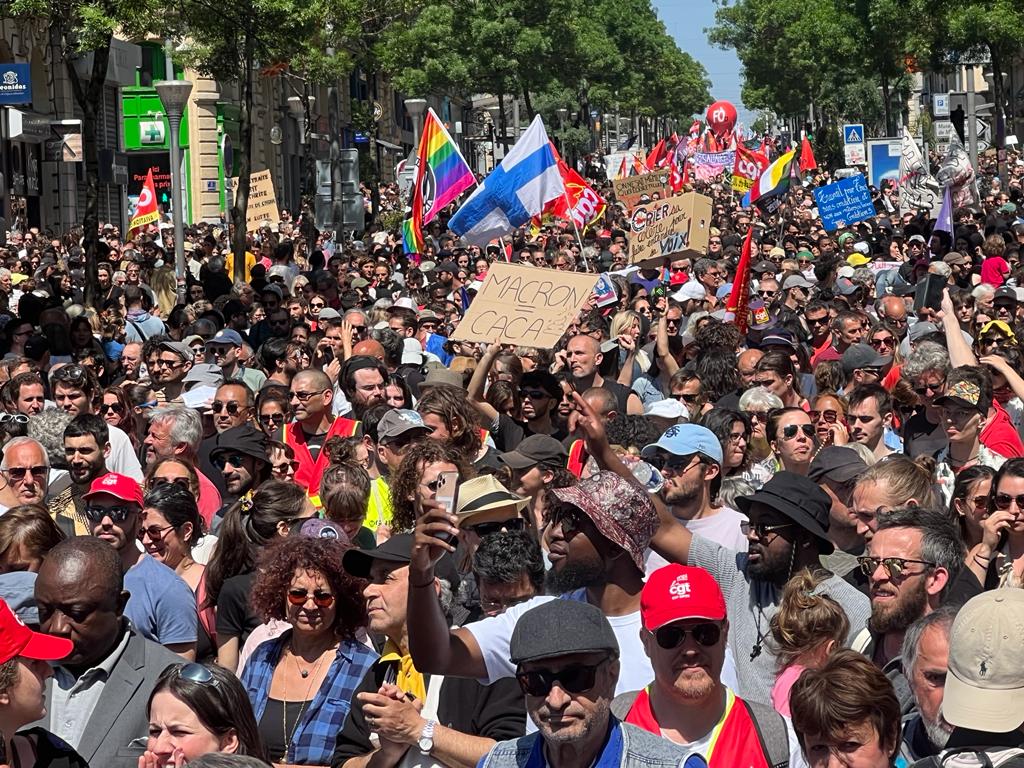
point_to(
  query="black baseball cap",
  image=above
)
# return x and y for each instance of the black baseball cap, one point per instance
(836, 463)
(536, 450)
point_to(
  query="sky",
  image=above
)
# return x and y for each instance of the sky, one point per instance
(686, 21)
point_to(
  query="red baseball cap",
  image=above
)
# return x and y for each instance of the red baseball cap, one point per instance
(18, 640)
(678, 592)
(119, 486)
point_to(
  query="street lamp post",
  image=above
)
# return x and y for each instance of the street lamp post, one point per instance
(416, 109)
(174, 96)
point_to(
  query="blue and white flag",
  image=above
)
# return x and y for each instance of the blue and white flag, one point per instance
(516, 191)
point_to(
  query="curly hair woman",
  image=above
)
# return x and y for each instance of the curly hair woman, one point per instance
(447, 409)
(415, 480)
(301, 683)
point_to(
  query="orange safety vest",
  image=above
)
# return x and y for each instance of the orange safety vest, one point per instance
(307, 476)
(734, 739)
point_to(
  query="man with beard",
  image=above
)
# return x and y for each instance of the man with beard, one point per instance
(86, 447)
(912, 558)
(567, 663)
(685, 636)
(597, 534)
(362, 380)
(241, 456)
(926, 663)
(689, 457)
(788, 530)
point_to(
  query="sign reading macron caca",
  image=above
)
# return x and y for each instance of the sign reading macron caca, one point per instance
(262, 202)
(528, 306)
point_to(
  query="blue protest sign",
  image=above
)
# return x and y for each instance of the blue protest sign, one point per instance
(844, 202)
(15, 84)
(853, 134)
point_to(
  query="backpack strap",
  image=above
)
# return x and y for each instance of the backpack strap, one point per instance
(771, 731)
(138, 330)
(622, 703)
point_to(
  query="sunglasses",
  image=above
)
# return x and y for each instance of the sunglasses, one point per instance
(222, 460)
(829, 416)
(232, 408)
(687, 398)
(763, 530)
(672, 636)
(197, 673)
(156, 482)
(116, 514)
(790, 430)
(17, 418)
(497, 526)
(272, 418)
(887, 341)
(317, 305)
(575, 678)
(933, 388)
(18, 473)
(535, 394)
(1002, 501)
(894, 566)
(155, 532)
(112, 407)
(321, 599)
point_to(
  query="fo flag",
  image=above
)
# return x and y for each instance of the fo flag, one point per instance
(736, 306)
(145, 209)
(748, 168)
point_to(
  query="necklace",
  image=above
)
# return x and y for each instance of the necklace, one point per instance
(289, 738)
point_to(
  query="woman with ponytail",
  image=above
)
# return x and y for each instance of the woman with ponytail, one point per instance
(249, 525)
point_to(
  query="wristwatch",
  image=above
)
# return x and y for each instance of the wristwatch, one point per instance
(426, 740)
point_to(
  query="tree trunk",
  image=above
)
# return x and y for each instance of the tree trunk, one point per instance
(238, 211)
(528, 104)
(89, 99)
(887, 110)
(502, 124)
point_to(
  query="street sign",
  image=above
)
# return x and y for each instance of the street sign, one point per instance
(15, 84)
(940, 104)
(151, 132)
(853, 134)
(378, 111)
(855, 154)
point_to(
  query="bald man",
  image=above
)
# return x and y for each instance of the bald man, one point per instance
(583, 354)
(893, 310)
(370, 348)
(746, 362)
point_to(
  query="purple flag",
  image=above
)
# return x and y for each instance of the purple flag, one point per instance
(944, 221)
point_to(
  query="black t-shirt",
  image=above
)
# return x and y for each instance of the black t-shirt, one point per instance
(922, 437)
(234, 617)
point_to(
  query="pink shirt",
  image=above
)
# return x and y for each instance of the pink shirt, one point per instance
(783, 685)
(209, 499)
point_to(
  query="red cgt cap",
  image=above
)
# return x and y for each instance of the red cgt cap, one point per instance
(18, 640)
(678, 592)
(119, 486)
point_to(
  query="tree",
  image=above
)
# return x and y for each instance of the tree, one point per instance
(80, 28)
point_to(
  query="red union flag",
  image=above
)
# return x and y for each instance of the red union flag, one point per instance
(145, 210)
(748, 169)
(580, 204)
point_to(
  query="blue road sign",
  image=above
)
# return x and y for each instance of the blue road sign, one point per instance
(853, 134)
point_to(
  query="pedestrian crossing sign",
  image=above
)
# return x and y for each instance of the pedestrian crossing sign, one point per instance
(853, 134)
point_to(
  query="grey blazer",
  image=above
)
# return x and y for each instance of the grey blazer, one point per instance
(118, 728)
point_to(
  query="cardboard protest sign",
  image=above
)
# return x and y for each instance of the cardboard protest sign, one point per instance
(528, 306)
(679, 225)
(262, 202)
(845, 202)
(630, 189)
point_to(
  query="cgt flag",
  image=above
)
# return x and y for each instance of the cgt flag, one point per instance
(736, 305)
(145, 209)
(749, 166)
(518, 189)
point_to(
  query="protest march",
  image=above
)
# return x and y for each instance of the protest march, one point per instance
(699, 449)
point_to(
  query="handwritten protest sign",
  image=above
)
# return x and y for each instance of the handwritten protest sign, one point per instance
(845, 202)
(631, 189)
(529, 306)
(262, 202)
(663, 228)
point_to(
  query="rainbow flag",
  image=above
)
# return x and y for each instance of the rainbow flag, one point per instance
(442, 174)
(773, 182)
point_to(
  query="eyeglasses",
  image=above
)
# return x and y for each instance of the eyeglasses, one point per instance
(497, 526)
(156, 482)
(575, 678)
(885, 341)
(535, 394)
(1002, 501)
(272, 418)
(790, 430)
(232, 408)
(116, 514)
(980, 502)
(17, 418)
(106, 408)
(283, 467)
(829, 416)
(737, 436)
(321, 599)
(316, 305)
(158, 363)
(761, 416)
(672, 636)
(155, 532)
(894, 566)
(197, 673)
(763, 530)
(933, 388)
(687, 398)
(17, 474)
(303, 397)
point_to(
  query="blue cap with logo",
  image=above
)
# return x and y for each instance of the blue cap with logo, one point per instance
(686, 440)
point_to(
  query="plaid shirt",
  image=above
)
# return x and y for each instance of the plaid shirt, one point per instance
(313, 740)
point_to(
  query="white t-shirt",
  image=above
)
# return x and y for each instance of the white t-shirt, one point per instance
(722, 528)
(122, 458)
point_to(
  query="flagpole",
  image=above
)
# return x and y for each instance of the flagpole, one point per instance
(579, 237)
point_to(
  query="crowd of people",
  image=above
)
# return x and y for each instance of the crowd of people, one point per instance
(290, 520)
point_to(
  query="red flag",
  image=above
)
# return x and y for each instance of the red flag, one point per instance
(637, 169)
(695, 128)
(675, 177)
(623, 170)
(807, 161)
(736, 305)
(580, 204)
(748, 168)
(657, 156)
(145, 209)
(686, 174)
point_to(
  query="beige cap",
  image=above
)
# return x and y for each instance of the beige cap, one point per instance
(985, 684)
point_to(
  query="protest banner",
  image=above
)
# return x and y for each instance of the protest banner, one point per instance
(262, 202)
(679, 225)
(631, 189)
(527, 306)
(845, 202)
(750, 164)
